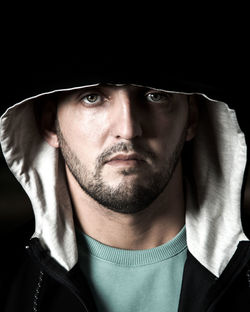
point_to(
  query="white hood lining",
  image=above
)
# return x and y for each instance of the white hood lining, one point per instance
(213, 220)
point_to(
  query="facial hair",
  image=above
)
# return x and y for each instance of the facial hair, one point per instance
(124, 198)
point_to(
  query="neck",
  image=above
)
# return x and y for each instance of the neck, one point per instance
(154, 226)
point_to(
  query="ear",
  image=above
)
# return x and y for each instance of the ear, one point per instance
(193, 117)
(48, 123)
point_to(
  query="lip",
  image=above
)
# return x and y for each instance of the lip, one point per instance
(126, 157)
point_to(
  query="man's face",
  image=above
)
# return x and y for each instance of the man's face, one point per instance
(122, 144)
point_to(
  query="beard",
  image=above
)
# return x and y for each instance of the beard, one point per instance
(126, 198)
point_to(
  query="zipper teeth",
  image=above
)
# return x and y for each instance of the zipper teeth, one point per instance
(37, 294)
(248, 277)
(37, 291)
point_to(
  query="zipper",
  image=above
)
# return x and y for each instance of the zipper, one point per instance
(37, 292)
(71, 288)
(36, 251)
(248, 276)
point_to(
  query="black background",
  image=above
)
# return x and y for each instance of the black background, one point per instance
(213, 54)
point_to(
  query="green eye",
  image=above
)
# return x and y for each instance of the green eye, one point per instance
(156, 97)
(91, 98)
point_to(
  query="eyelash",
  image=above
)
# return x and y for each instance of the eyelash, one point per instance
(146, 95)
(84, 96)
(162, 94)
(89, 95)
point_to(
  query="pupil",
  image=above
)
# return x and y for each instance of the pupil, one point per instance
(156, 96)
(92, 98)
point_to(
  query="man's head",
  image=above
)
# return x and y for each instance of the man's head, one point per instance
(121, 143)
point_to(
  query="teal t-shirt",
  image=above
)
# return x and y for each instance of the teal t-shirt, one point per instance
(134, 280)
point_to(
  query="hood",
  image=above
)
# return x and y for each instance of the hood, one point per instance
(213, 218)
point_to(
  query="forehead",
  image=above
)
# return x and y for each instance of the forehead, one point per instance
(116, 86)
(112, 87)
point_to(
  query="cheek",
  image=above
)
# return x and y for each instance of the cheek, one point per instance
(79, 122)
(168, 130)
(93, 127)
(84, 132)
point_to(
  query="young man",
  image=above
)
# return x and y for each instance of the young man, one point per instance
(136, 193)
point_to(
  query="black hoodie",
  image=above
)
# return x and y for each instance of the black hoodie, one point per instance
(45, 276)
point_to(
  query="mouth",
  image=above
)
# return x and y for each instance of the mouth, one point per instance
(126, 160)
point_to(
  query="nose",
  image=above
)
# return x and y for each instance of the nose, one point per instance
(126, 117)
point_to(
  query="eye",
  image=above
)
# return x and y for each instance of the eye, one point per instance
(157, 97)
(91, 99)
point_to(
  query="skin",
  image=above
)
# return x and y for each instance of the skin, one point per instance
(146, 205)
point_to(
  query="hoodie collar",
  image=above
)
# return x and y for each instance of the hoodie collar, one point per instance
(213, 221)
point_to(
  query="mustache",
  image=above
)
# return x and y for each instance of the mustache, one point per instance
(126, 148)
